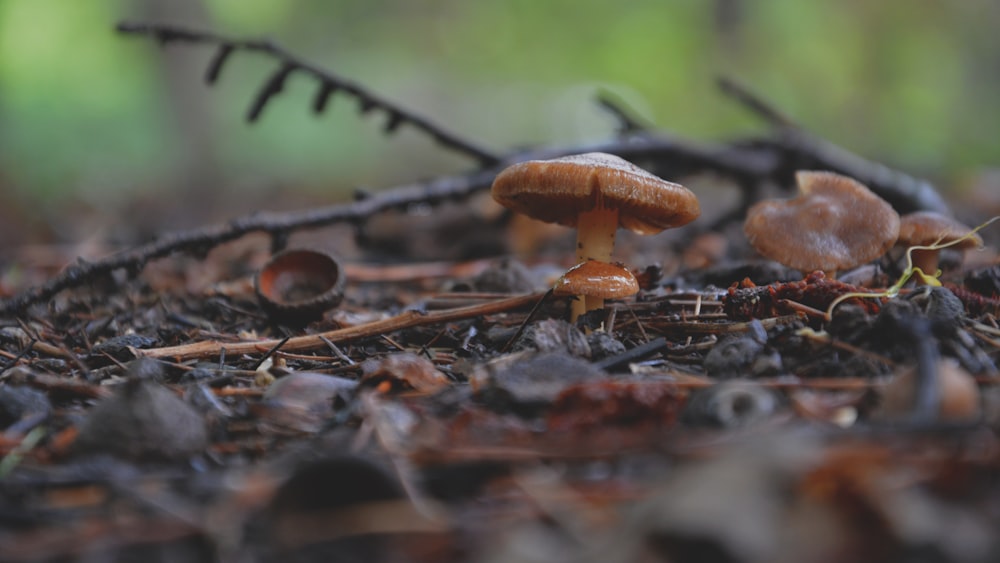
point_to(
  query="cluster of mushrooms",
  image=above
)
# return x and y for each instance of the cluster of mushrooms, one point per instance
(834, 224)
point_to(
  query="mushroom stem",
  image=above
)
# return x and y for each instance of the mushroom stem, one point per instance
(595, 240)
(926, 260)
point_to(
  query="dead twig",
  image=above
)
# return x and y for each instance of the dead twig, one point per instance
(695, 328)
(329, 83)
(200, 241)
(803, 150)
(409, 319)
(61, 385)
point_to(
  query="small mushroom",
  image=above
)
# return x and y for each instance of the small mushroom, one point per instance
(596, 281)
(835, 223)
(924, 228)
(596, 193)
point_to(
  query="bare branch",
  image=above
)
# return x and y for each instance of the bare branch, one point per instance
(803, 150)
(329, 83)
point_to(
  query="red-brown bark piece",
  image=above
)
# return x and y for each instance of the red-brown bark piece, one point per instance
(604, 403)
(745, 301)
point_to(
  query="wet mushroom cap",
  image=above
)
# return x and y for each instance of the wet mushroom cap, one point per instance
(923, 228)
(558, 190)
(835, 223)
(597, 279)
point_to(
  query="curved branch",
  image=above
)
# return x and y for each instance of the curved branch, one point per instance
(328, 84)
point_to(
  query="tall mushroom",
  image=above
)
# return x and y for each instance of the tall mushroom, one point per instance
(597, 193)
(835, 223)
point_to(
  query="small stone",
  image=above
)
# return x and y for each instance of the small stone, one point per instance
(850, 323)
(984, 282)
(505, 276)
(732, 358)
(303, 401)
(554, 335)
(603, 345)
(403, 371)
(118, 347)
(886, 333)
(767, 363)
(144, 421)
(15, 336)
(17, 402)
(531, 384)
(939, 304)
(731, 404)
(147, 369)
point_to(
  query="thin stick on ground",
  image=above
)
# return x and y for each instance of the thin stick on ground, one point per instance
(409, 319)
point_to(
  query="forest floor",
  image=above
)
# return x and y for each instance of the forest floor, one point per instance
(439, 406)
(445, 410)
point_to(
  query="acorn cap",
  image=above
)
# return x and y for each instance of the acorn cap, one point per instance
(597, 279)
(835, 223)
(923, 228)
(557, 190)
(297, 286)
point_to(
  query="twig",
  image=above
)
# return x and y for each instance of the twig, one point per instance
(524, 324)
(697, 328)
(804, 150)
(62, 385)
(927, 394)
(627, 122)
(269, 353)
(329, 83)
(199, 241)
(730, 87)
(15, 359)
(408, 319)
(635, 354)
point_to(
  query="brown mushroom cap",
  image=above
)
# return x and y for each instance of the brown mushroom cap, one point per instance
(923, 228)
(557, 190)
(834, 224)
(597, 279)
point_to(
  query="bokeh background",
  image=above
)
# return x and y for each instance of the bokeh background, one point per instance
(101, 132)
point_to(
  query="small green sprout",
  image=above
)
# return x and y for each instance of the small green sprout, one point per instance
(13, 458)
(910, 271)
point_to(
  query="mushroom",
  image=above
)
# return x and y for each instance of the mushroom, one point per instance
(924, 228)
(835, 223)
(596, 281)
(596, 193)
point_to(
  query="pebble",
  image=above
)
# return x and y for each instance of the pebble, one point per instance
(143, 421)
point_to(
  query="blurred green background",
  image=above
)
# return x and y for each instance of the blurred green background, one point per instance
(92, 122)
